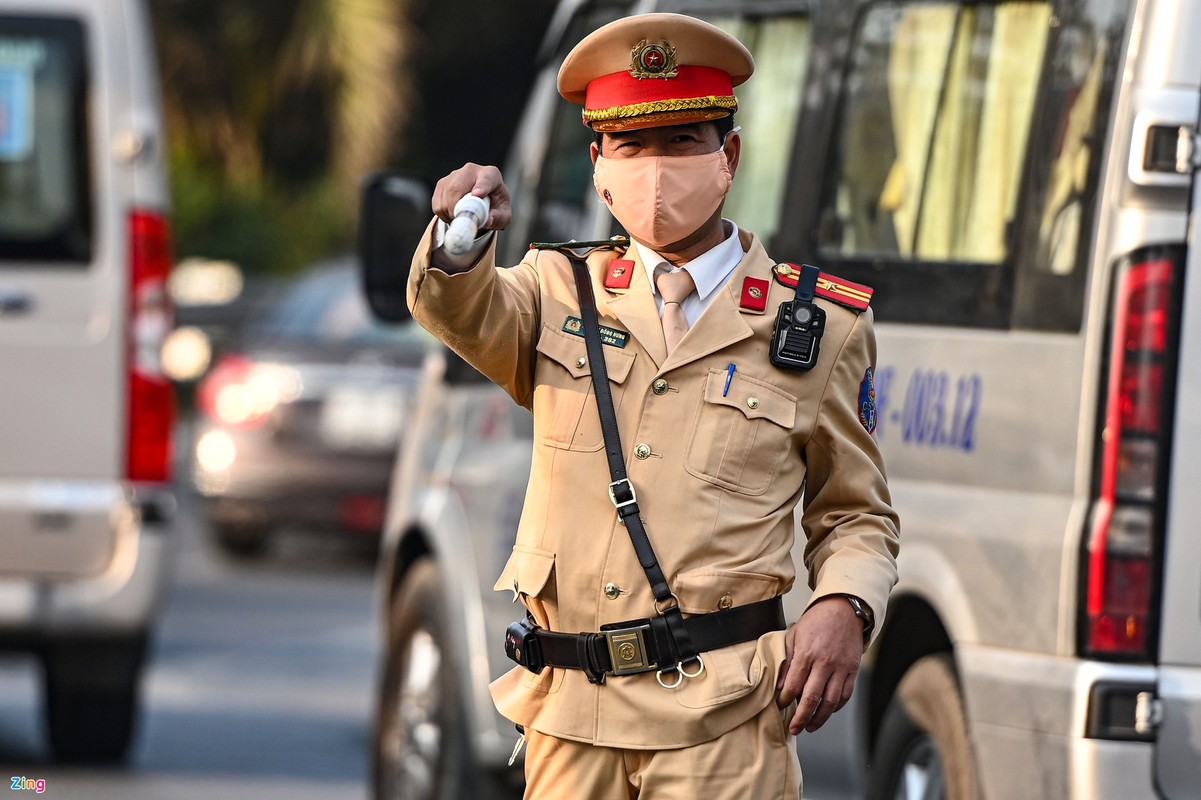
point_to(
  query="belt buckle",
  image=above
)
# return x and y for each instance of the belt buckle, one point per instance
(620, 504)
(627, 650)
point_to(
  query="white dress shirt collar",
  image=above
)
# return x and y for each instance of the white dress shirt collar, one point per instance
(710, 270)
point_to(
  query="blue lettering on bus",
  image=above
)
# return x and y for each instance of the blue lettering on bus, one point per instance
(935, 410)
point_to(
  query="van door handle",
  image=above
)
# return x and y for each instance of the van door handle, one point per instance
(14, 303)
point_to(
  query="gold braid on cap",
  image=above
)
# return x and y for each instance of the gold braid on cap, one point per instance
(657, 106)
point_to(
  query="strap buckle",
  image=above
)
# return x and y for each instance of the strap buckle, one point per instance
(613, 488)
(627, 650)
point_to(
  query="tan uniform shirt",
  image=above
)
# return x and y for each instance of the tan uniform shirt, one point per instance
(721, 477)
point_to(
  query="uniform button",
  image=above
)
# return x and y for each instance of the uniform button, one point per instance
(752, 402)
(580, 362)
(725, 602)
(612, 591)
(642, 451)
(659, 386)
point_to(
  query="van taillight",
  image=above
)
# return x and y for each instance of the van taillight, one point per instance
(1124, 542)
(151, 394)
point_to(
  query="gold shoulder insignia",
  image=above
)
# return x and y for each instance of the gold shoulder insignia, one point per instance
(854, 296)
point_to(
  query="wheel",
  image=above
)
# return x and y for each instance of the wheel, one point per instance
(241, 539)
(91, 697)
(923, 751)
(421, 749)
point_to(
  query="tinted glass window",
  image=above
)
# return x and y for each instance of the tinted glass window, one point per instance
(934, 130)
(45, 209)
(565, 187)
(553, 198)
(930, 152)
(1057, 219)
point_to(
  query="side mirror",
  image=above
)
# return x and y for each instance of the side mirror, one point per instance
(394, 213)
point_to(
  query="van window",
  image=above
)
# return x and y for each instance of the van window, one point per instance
(1067, 150)
(930, 150)
(769, 112)
(45, 207)
(564, 190)
(560, 190)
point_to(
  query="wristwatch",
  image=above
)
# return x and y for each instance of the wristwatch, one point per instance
(864, 612)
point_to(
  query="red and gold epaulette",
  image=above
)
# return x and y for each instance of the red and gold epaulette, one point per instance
(854, 296)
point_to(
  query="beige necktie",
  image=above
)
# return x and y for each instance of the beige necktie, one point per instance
(673, 288)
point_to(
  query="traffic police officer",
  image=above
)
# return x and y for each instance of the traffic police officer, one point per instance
(721, 444)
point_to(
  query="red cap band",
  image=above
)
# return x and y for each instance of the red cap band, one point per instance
(619, 91)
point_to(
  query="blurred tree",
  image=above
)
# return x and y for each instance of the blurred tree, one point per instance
(277, 108)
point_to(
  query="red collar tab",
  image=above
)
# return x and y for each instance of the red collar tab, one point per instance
(754, 294)
(619, 273)
(854, 296)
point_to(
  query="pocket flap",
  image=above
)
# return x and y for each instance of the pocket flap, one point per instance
(526, 571)
(570, 352)
(702, 591)
(753, 397)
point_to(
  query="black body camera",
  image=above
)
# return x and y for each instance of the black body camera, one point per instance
(799, 326)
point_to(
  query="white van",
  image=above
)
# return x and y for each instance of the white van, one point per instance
(86, 415)
(1016, 180)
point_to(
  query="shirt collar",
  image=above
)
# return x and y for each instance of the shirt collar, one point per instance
(710, 270)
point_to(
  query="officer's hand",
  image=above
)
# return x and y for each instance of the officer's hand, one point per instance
(482, 182)
(824, 647)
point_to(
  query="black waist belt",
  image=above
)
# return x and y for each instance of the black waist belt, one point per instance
(626, 648)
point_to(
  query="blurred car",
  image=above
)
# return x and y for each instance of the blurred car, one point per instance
(299, 423)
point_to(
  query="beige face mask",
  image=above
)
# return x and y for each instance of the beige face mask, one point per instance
(660, 200)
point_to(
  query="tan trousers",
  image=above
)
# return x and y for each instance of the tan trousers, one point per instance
(756, 760)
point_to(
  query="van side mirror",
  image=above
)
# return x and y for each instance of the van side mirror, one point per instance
(393, 215)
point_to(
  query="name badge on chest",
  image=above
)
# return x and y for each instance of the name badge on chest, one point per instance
(609, 336)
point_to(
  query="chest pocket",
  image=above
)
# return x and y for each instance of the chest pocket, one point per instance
(565, 413)
(740, 436)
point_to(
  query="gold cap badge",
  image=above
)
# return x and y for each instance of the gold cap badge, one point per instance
(653, 60)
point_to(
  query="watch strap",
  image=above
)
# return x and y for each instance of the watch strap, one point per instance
(864, 612)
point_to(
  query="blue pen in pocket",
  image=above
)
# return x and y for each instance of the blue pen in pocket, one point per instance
(729, 377)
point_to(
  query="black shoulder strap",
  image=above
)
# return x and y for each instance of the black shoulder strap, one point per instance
(621, 491)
